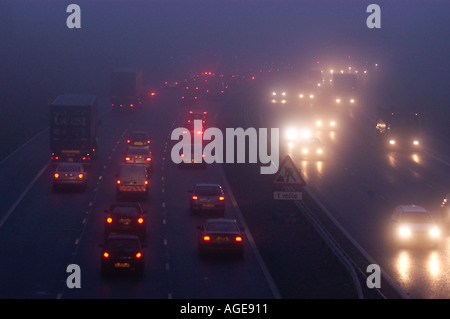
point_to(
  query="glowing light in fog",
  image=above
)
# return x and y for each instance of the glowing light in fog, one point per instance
(403, 265)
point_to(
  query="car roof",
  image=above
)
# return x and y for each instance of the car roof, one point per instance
(412, 208)
(207, 184)
(69, 164)
(132, 170)
(221, 220)
(122, 236)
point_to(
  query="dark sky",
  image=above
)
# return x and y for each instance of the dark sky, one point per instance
(169, 38)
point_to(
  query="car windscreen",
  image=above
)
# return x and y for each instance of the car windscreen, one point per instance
(138, 152)
(139, 136)
(221, 227)
(69, 168)
(208, 190)
(126, 211)
(416, 217)
(122, 245)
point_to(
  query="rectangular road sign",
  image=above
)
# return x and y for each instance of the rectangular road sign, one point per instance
(287, 195)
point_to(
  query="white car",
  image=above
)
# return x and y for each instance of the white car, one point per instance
(414, 225)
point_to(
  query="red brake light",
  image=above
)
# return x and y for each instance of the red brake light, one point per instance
(140, 220)
(109, 220)
(118, 181)
(128, 158)
(206, 238)
(194, 197)
(56, 175)
(80, 175)
(138, 255)
(128, 141)
(149, 159)
(148, 141)
(146, 182)
(238, 238)
(131, 105)
(221, 198)
(105, 254)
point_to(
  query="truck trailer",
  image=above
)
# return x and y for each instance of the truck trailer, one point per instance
(73, 128)
(126, 89)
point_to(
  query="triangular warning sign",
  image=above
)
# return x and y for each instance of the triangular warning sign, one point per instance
(287, 174)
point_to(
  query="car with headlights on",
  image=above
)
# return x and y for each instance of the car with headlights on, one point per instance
(207, 197)
(125, 218)
(312, 148)
(122, 253)
(279, 96)
(220, 235)
(445, 210)
(139, 156)
(414, 225)
(69, 174)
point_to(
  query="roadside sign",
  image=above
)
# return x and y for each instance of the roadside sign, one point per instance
(287, 195)
(287, 174)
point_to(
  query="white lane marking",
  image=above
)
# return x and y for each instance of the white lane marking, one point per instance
(251, 241)
(23, 145)
(17, 202)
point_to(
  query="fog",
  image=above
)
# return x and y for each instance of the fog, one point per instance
(41, 57)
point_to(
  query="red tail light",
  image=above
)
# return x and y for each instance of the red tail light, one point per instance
(128, 158)
(140, 220)
(56, 175)
(149, 159)
(148, 141)
(146, 182)
(131, 105)
(128, 141)
(238, 238)
(80, 176)
(118, 181)
(105, 254)
(206, 238)
(109, 220)
(138, 255)
(221, 198)
(194, 197)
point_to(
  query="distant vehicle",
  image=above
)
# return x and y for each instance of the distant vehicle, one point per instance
(139, 156)
(311, 148)
(192, 161)
(414, 225)
(197, 114)
(207, 197)
(125, 218)
(127, 89)
(220, 235)
(122, 253)
(132, 180)
(344, 88)
(279, 96)
(445, 210)
(137, 138)
(69, 174)
(213, 85)
(189, 98)
(326, 121)
(399, 128)
(73, 128)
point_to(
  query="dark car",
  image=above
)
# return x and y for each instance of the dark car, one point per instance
(220, 235)
(122, 253)
(69, 174)
(125, 218)
(138, 139)
(207, 197)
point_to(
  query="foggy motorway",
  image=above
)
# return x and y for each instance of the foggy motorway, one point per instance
(251, 65)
